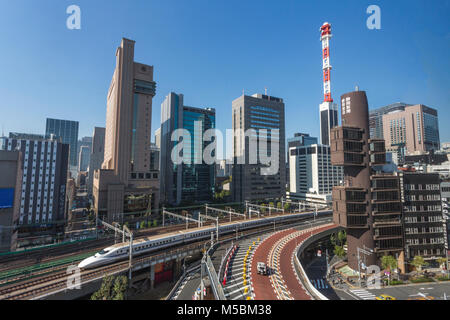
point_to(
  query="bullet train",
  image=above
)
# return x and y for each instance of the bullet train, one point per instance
(120, 251)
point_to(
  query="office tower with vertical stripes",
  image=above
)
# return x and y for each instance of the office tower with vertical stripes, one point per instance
(126, 183)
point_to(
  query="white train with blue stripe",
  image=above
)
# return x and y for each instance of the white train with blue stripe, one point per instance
(120, 251)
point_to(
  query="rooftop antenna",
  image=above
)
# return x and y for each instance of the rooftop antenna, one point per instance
(243, 92)
(265, 91)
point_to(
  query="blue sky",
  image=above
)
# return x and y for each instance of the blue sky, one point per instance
(211, 50)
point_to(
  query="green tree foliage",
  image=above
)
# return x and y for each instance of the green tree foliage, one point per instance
(263, 210)
(120, 288)
(287, 206)
(333, 239)
(342, 237)
(279, 205)
(143, 225)
(104, 293)
(339, 251)
(112, 288)
(442, 261)
(419, 262)
(388, 263)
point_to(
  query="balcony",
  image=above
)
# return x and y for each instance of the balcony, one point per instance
(349, 194)
(347, 146)
(384, 183)
(356, 221)
(376, 145)
(387, 222)
(387, 236)
(377, 158)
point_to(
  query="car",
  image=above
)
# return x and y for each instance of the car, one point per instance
(262, 268)
(385, 297)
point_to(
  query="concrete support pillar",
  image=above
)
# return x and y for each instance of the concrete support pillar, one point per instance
(152, 276)
(178, 267)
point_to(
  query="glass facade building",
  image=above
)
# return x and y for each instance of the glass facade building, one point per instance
(259, 130)
(67, 131)
(192, 180)
(376, 118)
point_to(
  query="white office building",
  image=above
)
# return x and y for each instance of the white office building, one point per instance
(312, 176)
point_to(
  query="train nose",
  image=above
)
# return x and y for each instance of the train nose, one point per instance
(86, 262)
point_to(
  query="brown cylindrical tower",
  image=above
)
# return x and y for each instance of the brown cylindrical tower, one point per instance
(352, 202)
(356, 114)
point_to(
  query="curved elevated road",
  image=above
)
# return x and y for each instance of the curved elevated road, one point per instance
(277, 251)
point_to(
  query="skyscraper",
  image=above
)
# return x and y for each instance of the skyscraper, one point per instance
(126, 182)
(97, 155)
(414, 129)
(67, 131)
(193, 180)
(368, 205)
(83, 158)
(376, 118)
(258, 113)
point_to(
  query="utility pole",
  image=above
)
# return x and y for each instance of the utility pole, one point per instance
(365, 252)
(448, 271)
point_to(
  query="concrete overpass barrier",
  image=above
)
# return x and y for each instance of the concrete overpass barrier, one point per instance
(299, 249)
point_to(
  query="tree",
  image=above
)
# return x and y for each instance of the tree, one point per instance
(142, 226)
(287, 206)
(104, 293)
(390, 263)
(342, 238)
(271, 204)
(155, 223)
(120, 288)
(419, 262)
(263, 210)
(112, 288)
(333, 239)
(339, 251)
(442, 261)
(279, 205)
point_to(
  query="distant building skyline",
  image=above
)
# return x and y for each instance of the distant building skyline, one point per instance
(97, 155)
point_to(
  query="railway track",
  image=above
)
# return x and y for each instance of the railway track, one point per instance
(55, 279)
(23, 260)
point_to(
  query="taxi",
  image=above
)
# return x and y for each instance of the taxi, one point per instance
(385, 297)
